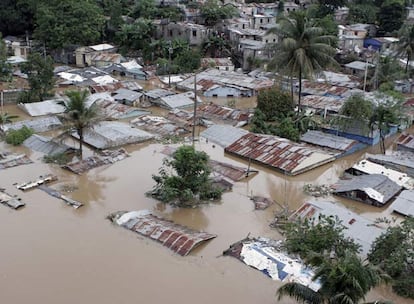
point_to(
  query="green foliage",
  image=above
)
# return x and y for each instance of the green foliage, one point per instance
(189, 183)
(188, 61)
(390, 16)
(212, 12)
(406, 43)
(144, 9)
(17, 137)
(216, 47)
(324, 236)
(39, 71)
(5, 67)
(7, 118)
(60, 23)
(287, 129)
(393, 252)
(362, 13)
(58, 158)
(357, 107)
(274, 103)
(16, 16)
(136, 35)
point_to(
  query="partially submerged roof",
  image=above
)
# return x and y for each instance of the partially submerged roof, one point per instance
(115, 110)
(405, 142)
(359, 65)
(158, 125)
(328, 140)
(109, 134)
(46, 107)
(398, 160)
(127, 95)
(177, 101)
(158, 93)
(10, 201)
(279, 153)
(368, 167)
(12, 160)
(332, 104)
(223, 135)
(267, 256)
(222, 114)
(178, 238)
(404, 203)
(41, 124)
(364, 231)
(376, 188)
(45, 145)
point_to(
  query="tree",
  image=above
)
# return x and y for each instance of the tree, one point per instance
(212, 12)
(328, 7)
(144, 9)
(39, 72)
(393, 251)
(136, 35)
(5, 67)
(188, 181)
(216, 46)
(344, 279)
(60, 23)
(79, 115)
(382, 117)
(362, 13)
(322, 236)
(187, 61)
(391, 16)
(303, 50)
(406, 44)
(274, 104)
(16, 16)
(357, 107)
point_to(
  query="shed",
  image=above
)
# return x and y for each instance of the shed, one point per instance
(373, 189)
(128, 97)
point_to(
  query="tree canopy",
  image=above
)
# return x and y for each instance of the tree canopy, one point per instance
(184, 180)
(212, 12)
(62, 23)
(5, 67)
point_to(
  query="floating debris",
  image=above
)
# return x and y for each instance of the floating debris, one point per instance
(8, 160)
(68, 188)
(40, 181)
(178, 238)
(10, 201)
(267, 256)
(317, 190)
(57, 194)
(261, 203)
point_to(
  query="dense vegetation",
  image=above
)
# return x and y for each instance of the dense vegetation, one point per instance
(17, 137)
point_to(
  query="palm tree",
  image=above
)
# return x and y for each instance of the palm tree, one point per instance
(406, 43)
(382, 117)
(303, 50)
(79, 115)
(7, 118)
(344, 280)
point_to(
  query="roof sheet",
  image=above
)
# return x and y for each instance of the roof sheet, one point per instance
(177, 101)
(45, 145)
(376, 186)
(398, 160)
(128, 95)
(223, 135)
(404, 203)
(178, 238)
(157, 93)
(101, 47)
(41, 124)
(279, 153)
(332, 104)
(362, 230)
(406, 141)
(46, 107)
(328, 140)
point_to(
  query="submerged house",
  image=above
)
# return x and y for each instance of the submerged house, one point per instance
(278, 153)
(404, 203)
(405, 142)
(373, 189)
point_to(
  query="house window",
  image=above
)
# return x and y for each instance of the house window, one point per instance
(356, 33)
(268, 20)
(267, 41)
(194, 33)
(230, 95)
(227, 68)
(261, 20)
(274, 39)
(171, 33)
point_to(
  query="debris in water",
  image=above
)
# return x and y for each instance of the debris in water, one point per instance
(10, 201)
(40, 181)
(57, 194)
(317, 190)
(261, 203)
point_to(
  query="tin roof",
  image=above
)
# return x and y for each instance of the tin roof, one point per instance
(362, 230)
(328, 140)
(224, 114)
(406, 141)
(128, 95)
(177, 238)
(404, 203)
(223, 135)
(46, 107)
(398, 160)
(41, 124)
(401, 179)
(158, 125)
(279, 153)
(332, 104)
(177, 101)
(377, 187)
(158, 93)
(45, 145)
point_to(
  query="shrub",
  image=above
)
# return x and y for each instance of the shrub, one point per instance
(17, 137)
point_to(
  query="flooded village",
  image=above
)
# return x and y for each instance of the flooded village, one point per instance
(79, 223)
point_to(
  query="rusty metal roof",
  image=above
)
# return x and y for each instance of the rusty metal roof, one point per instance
(178, 238)
(406, 141)
(278, 153)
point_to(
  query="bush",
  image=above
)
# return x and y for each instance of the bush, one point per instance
(17, 137)
(58, 158)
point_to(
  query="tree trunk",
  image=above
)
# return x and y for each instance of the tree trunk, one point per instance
(80, 132)
(291, 89)
(408, 62)
(382, 142)
(300, 89)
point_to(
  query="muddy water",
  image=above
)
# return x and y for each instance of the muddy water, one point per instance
(51, 253)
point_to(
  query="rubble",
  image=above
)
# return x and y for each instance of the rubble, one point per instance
(57, 194)
(8, 160)
(10, 201)
(40, 181)
(317, 190)
(261, 203)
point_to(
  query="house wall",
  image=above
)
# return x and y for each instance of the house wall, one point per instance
(258, 22)
(227, 92)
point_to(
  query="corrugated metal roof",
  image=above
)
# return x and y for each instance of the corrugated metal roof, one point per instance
(332, 104)
(224, 114)
(328, 140)
(279, 153)
(177, 101)
(361, 229)
(376, 186)
(158, 93)
(398, 160)
(12, 160)
(223, 135)
(117, 110)
(401, 179)
(46, 107)
(128, 95)
(42, 124)
(178, 238)
(404, 203)
(406, 141)
(45, 145)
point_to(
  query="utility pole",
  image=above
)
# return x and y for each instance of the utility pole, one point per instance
(170, 50)
(195, 106)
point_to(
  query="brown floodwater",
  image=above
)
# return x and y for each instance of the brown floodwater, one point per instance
(51, 253)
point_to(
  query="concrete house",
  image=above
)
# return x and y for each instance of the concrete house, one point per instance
(19, 47)
(85, 55)
(193, 33)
